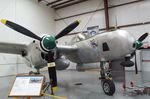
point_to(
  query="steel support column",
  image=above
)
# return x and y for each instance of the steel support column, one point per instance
(106, 14)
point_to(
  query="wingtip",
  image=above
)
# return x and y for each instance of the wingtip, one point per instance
(3, 21)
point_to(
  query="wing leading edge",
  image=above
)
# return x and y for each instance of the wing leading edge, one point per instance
(66, 49)
(12, 48)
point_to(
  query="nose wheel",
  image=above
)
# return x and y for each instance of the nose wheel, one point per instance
(108, 85)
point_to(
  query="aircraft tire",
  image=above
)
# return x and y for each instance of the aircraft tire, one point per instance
(108, 87)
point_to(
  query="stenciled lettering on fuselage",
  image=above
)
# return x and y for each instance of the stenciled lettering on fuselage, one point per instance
(93, 43)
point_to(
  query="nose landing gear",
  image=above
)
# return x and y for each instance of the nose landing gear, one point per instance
(108, 87)
(106, 80)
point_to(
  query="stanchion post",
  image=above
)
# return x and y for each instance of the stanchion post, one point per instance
(15, 97)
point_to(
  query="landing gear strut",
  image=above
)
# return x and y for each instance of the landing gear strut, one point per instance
(106, 80)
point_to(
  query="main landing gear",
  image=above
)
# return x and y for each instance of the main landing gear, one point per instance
(106, 80)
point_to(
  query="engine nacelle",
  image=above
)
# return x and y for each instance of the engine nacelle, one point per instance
(37, 59)
(34, 56)
(62, 63)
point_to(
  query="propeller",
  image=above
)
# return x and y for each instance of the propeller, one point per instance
(20, 29)
(136, 68)
(143, 37)
(47, 44)
(68, 29)
(137, 46)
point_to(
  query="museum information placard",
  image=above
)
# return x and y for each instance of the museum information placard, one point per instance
(27, 86)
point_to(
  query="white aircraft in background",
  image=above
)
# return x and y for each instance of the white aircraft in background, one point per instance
(101, 48)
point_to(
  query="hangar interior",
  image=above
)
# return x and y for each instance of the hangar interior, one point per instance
(50, 17)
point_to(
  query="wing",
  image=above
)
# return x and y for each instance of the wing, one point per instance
(66, 49)
(12, 48)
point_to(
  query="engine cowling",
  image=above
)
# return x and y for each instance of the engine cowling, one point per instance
(38, 58)
(34, 56)
(62, 63)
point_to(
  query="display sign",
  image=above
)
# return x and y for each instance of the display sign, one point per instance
(27, 86)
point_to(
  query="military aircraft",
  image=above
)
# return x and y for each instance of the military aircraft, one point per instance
(108, 46)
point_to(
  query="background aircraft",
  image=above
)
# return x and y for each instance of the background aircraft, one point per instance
(101, 48)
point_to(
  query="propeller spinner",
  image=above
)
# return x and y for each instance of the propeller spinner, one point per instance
(47, 43)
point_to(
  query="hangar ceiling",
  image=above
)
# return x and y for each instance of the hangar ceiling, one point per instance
(58, 4)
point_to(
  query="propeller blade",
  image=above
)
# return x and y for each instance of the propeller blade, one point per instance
(136, 68)
(53, 77)
(135, 62)
(143, 37)
(52, 71)
(68, 29)
(132, 54)
(20, 29)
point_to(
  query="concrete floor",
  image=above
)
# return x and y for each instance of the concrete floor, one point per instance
(90, 88)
